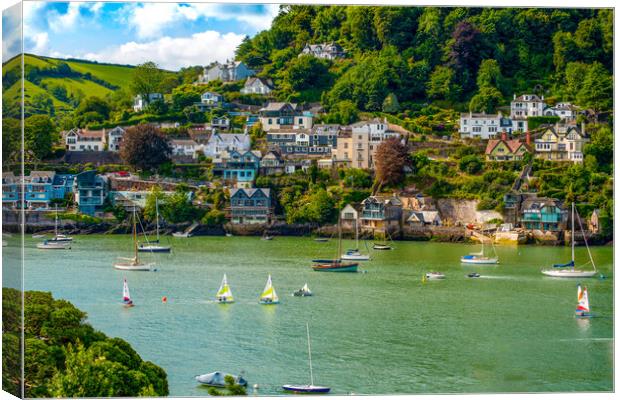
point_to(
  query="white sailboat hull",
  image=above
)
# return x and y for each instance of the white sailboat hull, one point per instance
(54, 246)
(569, 273)
(356, 257)
(133, 266)
(484, 260)
(180, 235)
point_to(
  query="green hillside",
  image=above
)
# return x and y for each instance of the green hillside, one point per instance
(55, 86)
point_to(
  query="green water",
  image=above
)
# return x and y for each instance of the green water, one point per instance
(378, 332)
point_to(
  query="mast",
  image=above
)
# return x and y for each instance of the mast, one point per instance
(135, 236)
(573, 233)
(339, 239)
(56, 224)
(157, 217)
(309, 355)
(357, 236)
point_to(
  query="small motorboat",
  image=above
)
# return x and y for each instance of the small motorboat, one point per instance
(335, 266)
(321, 240)
(434, 275)
(381, 246)
(217, 379)
(153, 248)
(229, 235)
(473, 275)
(303, 292)
(267, 237)
(181, 234)
(38, 236)
(50, 245)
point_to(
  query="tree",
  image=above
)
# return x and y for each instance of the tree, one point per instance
(390, 104)
(441, 85)
(39, 134)
(232, 388)
(145, 147)
(472, 164)
(466, 50)
(489, 75)
(11, 139)
(597, 89)
(147, 79)
(305, 72)
(344, 112)
(94, 104)
(487, 100)
(390, 160)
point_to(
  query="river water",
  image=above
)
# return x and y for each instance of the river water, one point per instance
(376, 332)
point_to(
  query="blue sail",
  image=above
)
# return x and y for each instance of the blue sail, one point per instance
(569, 264)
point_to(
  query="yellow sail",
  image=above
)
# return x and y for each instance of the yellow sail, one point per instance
(224, 294)
(269, 294)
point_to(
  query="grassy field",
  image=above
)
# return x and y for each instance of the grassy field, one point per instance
(88, 88)
(117, 75)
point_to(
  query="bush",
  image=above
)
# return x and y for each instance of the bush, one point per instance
(471, 164)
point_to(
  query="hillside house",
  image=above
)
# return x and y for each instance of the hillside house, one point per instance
(236, 167)
(507, 150)
(271, 163)
(329, 51)
(361, 146)
(221, 123)
(140, 103)
(483, 126)
(381, 213)
(230, 71)
(115, 137)
(561, 144)
(184, 147)
(255, 85)
(284, 116)
(85, 140)
(424, 218)
(565, 111)
(524, 106)
(219, 142)
(251, 206)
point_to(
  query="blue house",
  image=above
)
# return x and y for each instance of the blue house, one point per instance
(250, 206)
(10, 190)
(542, 213)
(90, 192)
(236, 167)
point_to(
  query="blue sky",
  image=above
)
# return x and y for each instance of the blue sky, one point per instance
(172, 34)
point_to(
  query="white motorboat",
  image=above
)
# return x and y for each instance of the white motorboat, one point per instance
(568, 270)
(434, 275)
(133, 263)
(50, 245)
(355, 254)
(181, 234)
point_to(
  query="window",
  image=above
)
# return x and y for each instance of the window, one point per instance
(270, 121)
(346, 145)
(492, 129)
(301, 121)
(464, 122)
(476, 129)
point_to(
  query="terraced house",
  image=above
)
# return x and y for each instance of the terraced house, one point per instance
(357, 148)
(237, 168)
(561, 143)
(250, 206)
(41, 188)
(284, 116)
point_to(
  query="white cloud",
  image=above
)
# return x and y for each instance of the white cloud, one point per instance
(173, 53)
(73, 17)
(151, 19)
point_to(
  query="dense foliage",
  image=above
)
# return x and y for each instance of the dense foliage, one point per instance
(145, 147)
(66, 357)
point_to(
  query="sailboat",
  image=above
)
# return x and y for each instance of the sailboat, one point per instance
(355, 254)
(335, 265)
(307, 388)
(568, 270)
(59, 237)
(224, 295)
(154, 247)
(382, 246)
(269, 295)
(479, 257)
(583, 305)
(133, 264)
(52, 245)
(126, 296)
(303, 292)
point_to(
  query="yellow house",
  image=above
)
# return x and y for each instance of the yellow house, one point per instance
(555, 145)
(506, 150)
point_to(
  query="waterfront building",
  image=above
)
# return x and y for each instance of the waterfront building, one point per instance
(40, 189)
(381, 213)
(524, 106)
(542, 213)
(140, 103)
(561, 143)
(284, 116)
(90, 190)
(593, 221)
(10, 191)
(250, 206)
(255, 85)
(238, 168)
(230, 71)
(349, 217)
(130, 199)
(424, 218)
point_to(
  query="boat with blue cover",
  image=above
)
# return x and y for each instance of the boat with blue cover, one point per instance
(217, 379)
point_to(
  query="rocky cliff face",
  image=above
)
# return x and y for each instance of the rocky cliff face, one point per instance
(454, 211)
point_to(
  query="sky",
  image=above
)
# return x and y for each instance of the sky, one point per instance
(174, 35)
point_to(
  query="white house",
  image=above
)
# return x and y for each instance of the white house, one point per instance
(566, 111)
(183, 147)
(140, 104)
(328, 51)
(115, 136)
(212, 99)
(256, 85)
(526, 105)
(220, 123)
(219, 142)
(228, 72)
(85, 140)
(480, 125)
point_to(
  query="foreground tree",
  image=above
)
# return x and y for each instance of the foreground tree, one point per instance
(147, 78)
(39, 134)
(145, 147)
(390, 160)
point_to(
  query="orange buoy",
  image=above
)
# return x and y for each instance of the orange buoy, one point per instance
(164, 299)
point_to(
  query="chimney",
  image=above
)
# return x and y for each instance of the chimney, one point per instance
(528, 138)
(504, 135)
(514, 96)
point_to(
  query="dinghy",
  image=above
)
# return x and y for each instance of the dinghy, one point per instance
(473, 275)
(583, 305)
(153, 246)
(126, 297)
(381, 246)
(224, 295)
(311, 388)
(568, 270)
(321, 240)
(269, 295)
(303, 292)
(133, 263)
(217, 379)
(181, 234)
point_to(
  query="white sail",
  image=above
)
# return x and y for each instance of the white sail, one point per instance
(269, 293)
(582, 299)
(126, 295)
(305, 288)
(224, 294)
